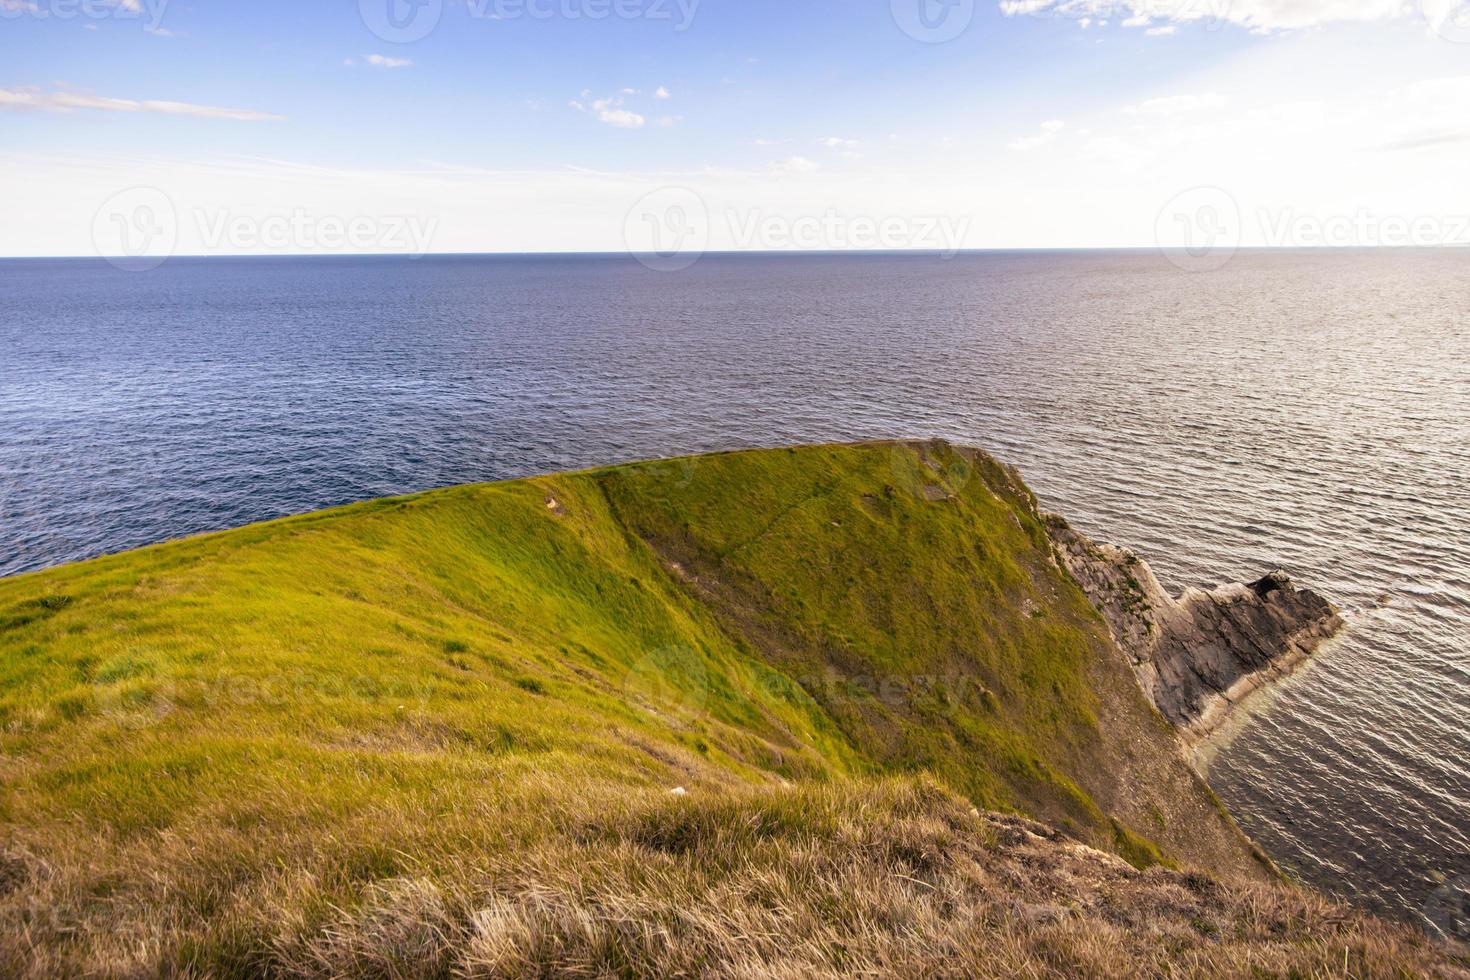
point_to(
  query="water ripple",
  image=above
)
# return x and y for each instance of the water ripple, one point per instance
(1299, 410)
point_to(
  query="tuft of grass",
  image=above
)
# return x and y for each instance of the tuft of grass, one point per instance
(892, 877)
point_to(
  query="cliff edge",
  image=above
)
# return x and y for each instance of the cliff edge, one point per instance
(1197, 656)
(813, 712)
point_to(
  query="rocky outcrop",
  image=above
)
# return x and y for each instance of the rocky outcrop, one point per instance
(1199, 655)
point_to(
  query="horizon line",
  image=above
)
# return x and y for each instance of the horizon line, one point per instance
(729, 253)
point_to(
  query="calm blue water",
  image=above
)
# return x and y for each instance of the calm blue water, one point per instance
(1305, 410)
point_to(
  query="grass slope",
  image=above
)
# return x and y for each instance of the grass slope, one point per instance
(222, 755)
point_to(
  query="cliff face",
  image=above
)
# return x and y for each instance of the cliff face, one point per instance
(1199, 655)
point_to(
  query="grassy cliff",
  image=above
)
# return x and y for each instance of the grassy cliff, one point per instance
(436, 734)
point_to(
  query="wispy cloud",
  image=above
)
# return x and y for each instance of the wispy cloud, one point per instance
(1049, 131)
(383, 61)
(797, 165)
(1261, 16)
(64, 100)
(612, 110)
(1177, 105)
(1427, 140)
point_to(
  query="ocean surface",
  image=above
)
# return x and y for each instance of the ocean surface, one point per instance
(1305, 410)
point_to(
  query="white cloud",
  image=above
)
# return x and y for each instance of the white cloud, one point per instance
(383, 61)
(1049, 131)
(1392, 141)
(838, 143)
(1164, 31)
(68, 101)
(797, 165)
(662, 93)
(621, 118)
(612, 112)
(1426, 114)
(1263, 16)
(1177, 105)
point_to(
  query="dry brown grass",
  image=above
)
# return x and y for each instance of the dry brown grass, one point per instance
(889, 878)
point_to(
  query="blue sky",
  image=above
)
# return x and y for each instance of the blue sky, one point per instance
(1041, 122)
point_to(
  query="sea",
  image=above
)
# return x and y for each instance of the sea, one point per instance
(1304, 410)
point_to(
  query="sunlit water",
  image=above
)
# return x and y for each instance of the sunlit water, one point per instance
(1303, 410)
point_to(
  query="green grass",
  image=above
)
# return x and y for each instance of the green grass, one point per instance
(735, 621)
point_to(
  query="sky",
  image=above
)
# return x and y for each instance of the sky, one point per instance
(145, 128)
